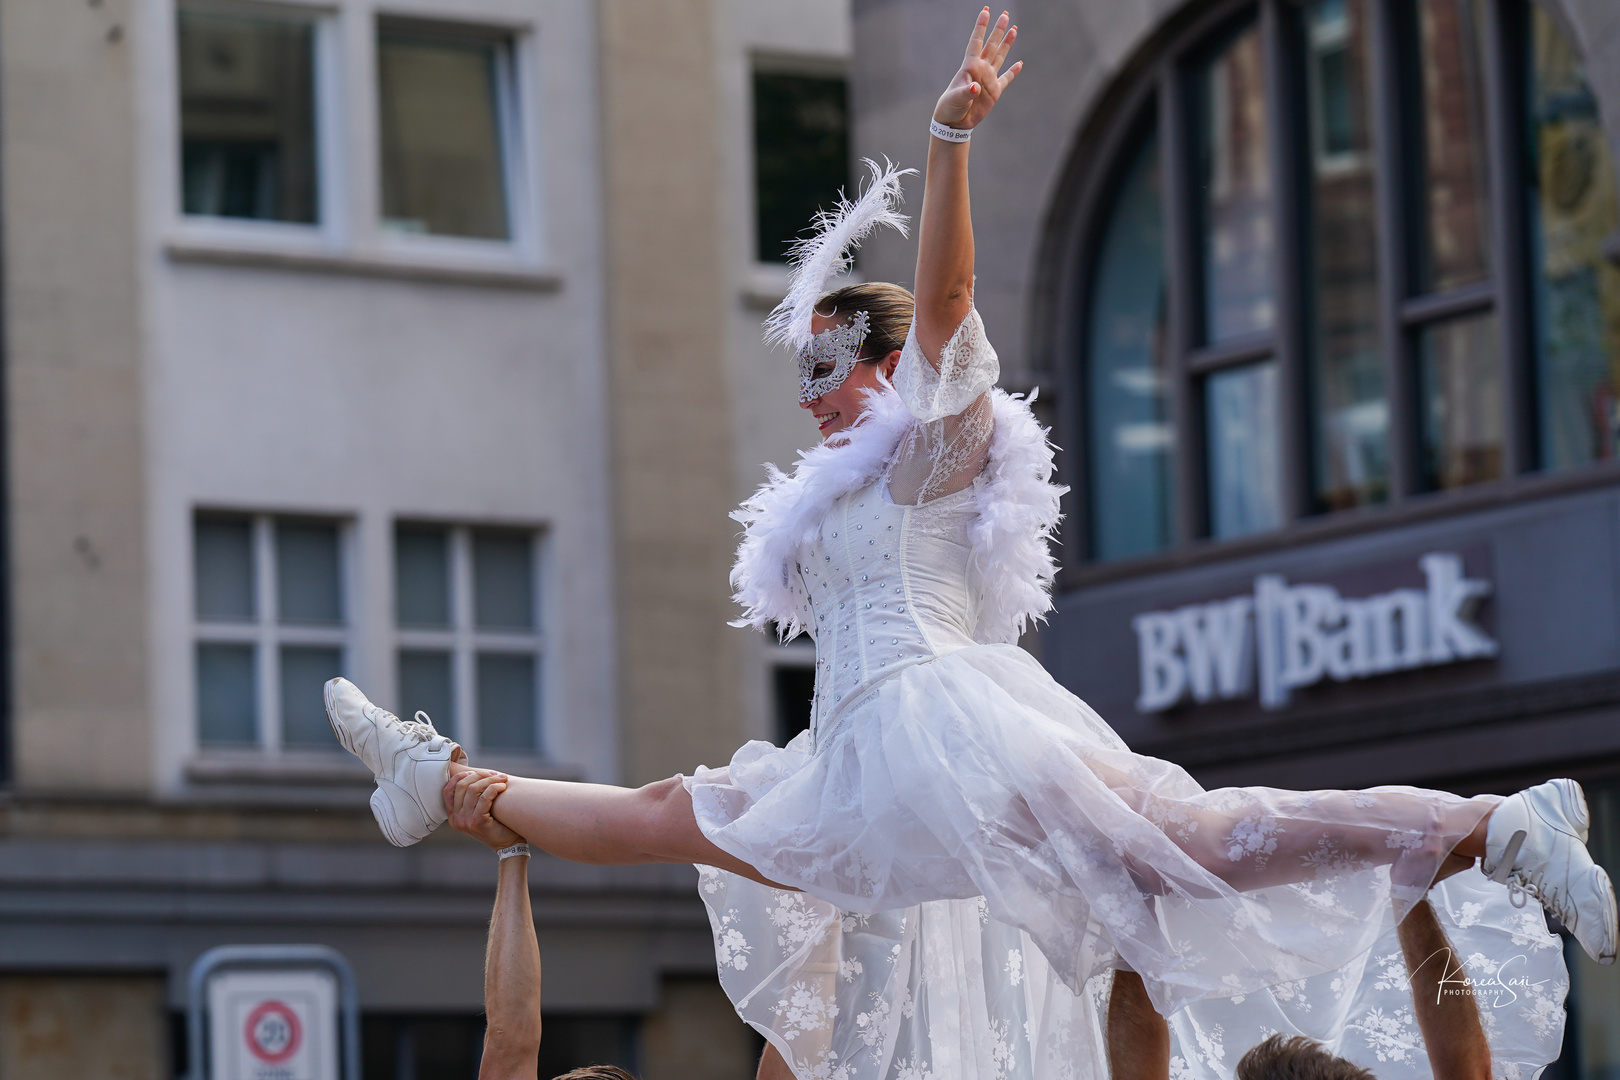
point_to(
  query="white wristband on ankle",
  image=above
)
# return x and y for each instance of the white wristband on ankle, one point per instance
(949, 134)
(519, 848)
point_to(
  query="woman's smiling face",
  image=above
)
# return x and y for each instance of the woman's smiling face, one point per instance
(837, 409)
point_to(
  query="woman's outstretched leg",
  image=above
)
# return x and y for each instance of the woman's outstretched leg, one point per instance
(416, 768)
(604, 824)
(1254, 838)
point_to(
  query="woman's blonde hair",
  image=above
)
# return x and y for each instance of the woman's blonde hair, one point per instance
(889, 309)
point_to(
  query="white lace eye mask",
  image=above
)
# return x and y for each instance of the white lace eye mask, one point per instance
(840, 347)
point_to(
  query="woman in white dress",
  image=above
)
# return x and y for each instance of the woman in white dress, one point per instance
(938, 878)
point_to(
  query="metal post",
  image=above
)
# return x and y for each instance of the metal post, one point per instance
(1506, 46)
(1182, 280)
(1396, 159)
(1282, 46)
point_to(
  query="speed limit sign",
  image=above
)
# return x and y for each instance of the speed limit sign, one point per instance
(273, 1025)
(273, 1032)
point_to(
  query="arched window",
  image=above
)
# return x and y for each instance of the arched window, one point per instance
(1347, 253)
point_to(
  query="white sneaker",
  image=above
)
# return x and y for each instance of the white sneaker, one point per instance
(409, 759)
(1536, 844)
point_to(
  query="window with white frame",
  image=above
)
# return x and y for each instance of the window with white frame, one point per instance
(247, 114)
(271, 629)
(467, 608)
(444, 114)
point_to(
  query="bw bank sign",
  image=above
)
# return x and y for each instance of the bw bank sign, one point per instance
(1284, 637)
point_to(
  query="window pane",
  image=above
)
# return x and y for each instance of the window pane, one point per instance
(507, 699)
(425, 684)
(247, 117)
(226, 695)
(1235, 181)
(422, 576)
(304, 674)
(503, 580)
(1461, 385)
(1456, 180)
(1572, 210)
(1351, 414)
(224, 553)
(1129, 436)
(443, 169)
(801, 154)
(308, 587)
(1245, 494)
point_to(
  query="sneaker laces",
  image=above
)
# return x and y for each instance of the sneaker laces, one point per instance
(1521, 885)
(420, 728)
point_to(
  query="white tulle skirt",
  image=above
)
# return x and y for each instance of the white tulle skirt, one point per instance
(977, 851)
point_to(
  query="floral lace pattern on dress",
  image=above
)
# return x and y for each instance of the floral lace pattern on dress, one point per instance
(941, 990)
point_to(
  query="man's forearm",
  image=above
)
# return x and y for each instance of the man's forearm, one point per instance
(1138, 1037)
(511, 980)
(1442, 1000)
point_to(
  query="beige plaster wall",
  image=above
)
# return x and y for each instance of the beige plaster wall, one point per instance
(73, 347)
(83, 1027)
(695, 1033)
(671, 417)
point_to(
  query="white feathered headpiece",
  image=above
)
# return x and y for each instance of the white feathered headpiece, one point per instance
(822, 257)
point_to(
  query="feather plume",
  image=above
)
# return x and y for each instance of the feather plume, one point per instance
(820, 258)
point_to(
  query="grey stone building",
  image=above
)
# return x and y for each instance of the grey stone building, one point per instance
(413, 341)
(1322, 299)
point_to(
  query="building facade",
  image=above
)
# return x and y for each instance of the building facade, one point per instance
(415, 342)
(1323, 302)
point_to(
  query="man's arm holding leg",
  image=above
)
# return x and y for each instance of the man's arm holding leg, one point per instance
(512, 959)
(771, 1066)
(1138, 1037)
(1452, 1032)
(511, 980)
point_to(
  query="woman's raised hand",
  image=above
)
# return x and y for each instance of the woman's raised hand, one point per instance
(978, 83)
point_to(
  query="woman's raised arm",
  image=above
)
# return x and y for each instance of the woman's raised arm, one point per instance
(945, 237)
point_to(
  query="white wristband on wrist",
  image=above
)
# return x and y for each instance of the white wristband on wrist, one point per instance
(949, 134)
(519, 848)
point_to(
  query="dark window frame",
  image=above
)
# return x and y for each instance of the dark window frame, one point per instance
(1157, 92)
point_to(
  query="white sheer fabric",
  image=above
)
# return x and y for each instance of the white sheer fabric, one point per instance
(941, 990)
(950, 403)
(977, 849)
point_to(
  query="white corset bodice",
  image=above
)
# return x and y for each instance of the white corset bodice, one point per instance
(887, 587)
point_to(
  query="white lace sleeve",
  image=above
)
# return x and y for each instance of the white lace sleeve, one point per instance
(968, 366)
(951, 404)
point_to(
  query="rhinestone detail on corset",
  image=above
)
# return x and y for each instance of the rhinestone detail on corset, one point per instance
(888, 587)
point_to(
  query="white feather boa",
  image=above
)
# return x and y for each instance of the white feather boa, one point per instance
(1017, 506)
